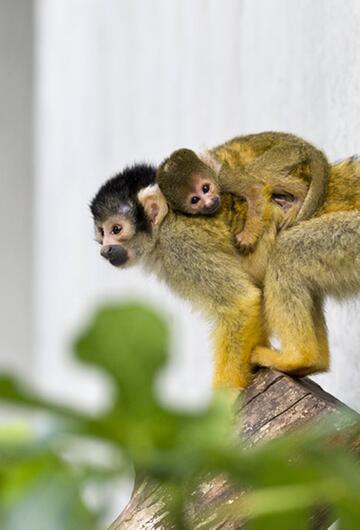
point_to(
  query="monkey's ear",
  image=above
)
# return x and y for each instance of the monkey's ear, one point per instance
(207, 158)
(154, 203)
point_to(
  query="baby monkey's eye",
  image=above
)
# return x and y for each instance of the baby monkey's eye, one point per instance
(194, 199)
(116, 229)
(206, 188)
(101, 231)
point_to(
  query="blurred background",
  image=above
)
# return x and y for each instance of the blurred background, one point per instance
(88, 86)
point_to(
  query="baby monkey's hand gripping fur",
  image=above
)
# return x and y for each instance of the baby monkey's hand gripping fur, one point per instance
(256, 167)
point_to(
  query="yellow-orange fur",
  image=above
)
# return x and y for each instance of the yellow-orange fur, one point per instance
(205, 269)
(316, 258)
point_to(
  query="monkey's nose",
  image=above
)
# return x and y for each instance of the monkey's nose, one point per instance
(213, 206)
(217, 202)
(116, 254)
(106, 251)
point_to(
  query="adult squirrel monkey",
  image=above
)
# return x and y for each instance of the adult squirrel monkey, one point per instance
(193, 255)
(256, 167)
(197, 259)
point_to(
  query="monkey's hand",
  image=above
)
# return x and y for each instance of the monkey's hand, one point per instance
(290, 215)
(246, 241)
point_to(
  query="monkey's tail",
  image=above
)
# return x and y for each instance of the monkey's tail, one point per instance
(319, 174)
(346, 170)
(344, 187)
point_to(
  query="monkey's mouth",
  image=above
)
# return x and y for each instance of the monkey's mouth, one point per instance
(116, 254)
(116, 262)
(209, 210)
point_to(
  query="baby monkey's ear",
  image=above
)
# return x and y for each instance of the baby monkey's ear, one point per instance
(154, 203)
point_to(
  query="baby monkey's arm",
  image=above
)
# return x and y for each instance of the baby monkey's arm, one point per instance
(281, 155)
(294, 168)
(258, 198)
(259, 183)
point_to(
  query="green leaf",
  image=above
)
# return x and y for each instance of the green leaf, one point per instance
(129, 343)
(43, 493)
(41, 480)
(285, 521)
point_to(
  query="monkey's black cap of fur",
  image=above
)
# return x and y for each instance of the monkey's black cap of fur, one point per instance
(122, 189)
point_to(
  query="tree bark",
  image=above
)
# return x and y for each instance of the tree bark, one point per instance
(273, 405)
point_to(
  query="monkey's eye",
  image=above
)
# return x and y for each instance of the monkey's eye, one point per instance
(101, 231)
(206, 188)
(116, 229)
(195, 199)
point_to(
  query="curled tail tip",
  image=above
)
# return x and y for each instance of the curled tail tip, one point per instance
(354, 158)
(348, 160)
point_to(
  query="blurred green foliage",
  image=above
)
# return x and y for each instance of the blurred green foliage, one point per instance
(43, 482)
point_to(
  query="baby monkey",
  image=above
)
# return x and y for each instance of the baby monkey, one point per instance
(262, 168)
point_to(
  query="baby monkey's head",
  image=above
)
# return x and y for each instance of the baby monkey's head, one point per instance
(189, 184)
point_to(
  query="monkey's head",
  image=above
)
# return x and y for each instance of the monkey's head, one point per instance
(189, 184)
(127, 211)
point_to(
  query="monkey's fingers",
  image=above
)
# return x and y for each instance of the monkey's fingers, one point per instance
(285, 201)
(245, 242)
(289, 218)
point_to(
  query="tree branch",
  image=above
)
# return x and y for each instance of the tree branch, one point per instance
(273, 405)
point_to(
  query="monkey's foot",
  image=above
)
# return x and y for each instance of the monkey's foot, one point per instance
(297, 362)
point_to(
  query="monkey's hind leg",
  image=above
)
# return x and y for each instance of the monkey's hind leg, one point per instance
(296, 318)
(239, 329)
(317, 257)
(258, 197)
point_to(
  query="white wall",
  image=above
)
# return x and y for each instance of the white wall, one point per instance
(16, 75)
(300, 71)
(119, 81)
